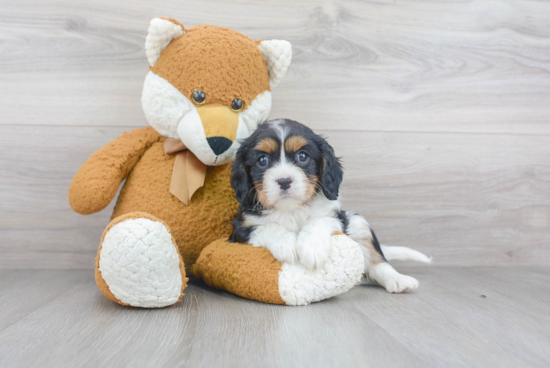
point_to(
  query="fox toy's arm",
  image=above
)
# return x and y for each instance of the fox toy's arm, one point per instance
(96, 183)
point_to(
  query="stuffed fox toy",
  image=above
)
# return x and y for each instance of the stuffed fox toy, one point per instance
(207, 89)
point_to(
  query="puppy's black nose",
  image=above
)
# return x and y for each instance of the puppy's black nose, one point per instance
(284, 183)
(219, 144)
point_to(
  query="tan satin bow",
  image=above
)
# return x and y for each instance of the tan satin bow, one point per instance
(188, 173)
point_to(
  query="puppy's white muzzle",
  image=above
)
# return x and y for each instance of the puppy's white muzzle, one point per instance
(286, 182)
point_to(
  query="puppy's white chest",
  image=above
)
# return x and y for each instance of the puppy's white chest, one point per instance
(292, 221)
(295, 218)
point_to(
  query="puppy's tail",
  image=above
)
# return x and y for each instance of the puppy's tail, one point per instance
(404, 254)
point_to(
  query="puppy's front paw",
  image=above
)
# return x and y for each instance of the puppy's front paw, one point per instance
(401, 283)
(283, 248)
(313, 249)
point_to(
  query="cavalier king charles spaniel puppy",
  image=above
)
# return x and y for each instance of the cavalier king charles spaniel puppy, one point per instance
(286, 180)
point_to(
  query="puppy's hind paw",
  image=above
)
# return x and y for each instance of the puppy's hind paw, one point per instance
(401, 283)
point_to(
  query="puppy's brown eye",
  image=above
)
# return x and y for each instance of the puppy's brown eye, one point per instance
(263, 161)
(237, 105)
(302, 157)
(199, 97)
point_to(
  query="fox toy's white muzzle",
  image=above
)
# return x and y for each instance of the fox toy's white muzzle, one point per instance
(212, 131)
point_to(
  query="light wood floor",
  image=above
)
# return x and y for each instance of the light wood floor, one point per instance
(460, 317)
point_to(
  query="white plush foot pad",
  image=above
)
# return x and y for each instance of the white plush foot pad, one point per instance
(343, 270)
(140, 264)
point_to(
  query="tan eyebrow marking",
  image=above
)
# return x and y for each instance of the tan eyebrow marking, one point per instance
(267, 145)
(294, 143)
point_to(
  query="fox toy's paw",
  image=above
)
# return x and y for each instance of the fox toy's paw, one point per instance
(138, 263)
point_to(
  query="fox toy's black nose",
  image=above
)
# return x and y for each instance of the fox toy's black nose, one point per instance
(219, 144)
(284, 183)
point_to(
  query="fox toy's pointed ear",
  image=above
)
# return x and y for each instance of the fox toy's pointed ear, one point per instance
(161, 32)
(278, 54)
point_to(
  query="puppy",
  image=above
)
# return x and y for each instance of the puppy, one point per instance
(286, 179)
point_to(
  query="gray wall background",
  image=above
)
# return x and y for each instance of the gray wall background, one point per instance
(440, 109)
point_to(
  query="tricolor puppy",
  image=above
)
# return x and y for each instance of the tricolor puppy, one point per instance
(286, 179)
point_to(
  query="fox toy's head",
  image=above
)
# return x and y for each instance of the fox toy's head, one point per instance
(209, 86)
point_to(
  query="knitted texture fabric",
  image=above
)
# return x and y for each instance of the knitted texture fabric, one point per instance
(278, 55)
(133, 264)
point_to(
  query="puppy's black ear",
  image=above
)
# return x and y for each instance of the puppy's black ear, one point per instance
(240, 179)
(331, 171)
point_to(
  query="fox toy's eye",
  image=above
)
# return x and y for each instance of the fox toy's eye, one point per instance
(263, 161)
(237, 105)
(199, 97)
(302, 157)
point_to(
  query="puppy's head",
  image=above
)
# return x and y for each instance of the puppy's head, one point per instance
(284, 164)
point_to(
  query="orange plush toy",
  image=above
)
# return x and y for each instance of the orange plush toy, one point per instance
(207, 88)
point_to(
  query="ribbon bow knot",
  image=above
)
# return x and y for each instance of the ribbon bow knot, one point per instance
(188, 173)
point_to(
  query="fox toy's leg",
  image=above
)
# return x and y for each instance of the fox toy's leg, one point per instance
(254, 273)
(138, 263)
